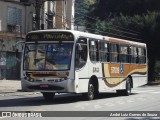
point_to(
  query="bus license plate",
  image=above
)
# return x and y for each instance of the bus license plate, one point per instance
(44, 86)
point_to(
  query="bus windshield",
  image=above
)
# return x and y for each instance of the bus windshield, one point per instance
(49, 56)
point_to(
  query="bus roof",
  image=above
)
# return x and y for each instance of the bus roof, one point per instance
(79, 33)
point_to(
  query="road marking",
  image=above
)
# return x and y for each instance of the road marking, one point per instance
(141, 91)
(110, 104)
(97, 107)
(130, 101)
(155, 92)
(141, 99)
(120, 102)
(82, 108)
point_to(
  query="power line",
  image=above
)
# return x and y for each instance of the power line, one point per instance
(133, 32)
(108, 33)
(120, 31)
(113, 25)
(122, 36)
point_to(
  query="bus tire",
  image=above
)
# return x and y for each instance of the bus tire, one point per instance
(48, 96)
(92, 91)
(127, 91)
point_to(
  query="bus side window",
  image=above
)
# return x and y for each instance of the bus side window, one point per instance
(81, 55)
(124, 54)
(103, 52)
(141, 56)
(113, 52)
(93, 50)
(133, 54)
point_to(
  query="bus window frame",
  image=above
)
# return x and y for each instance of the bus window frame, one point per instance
(132, 55)
(77, 43)
(128, 55)
(111, 52)
(97, 59)
(144, 55)
(103, 51)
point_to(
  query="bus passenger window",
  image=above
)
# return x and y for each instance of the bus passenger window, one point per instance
(133, 55)
(141, 55)
(113, 52)
(124, 54)
(81, 55)
(103, 53)
(93, 50)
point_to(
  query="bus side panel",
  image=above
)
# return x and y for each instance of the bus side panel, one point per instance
(82, 79)
(139, 75)
(111, 75)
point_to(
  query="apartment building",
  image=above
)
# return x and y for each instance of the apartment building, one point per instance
(63, 14)
(17, 19)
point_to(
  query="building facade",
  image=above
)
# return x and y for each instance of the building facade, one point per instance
(62, 14)
(16, 20)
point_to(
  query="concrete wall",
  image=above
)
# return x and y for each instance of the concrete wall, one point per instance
(8, 39)
(4, 13)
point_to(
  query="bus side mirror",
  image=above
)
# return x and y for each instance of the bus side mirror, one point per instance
(77, 59)
(16, 51)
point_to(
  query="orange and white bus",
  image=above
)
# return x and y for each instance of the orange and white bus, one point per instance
(66, 61)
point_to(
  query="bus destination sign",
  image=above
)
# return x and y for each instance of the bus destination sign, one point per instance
(49, 36)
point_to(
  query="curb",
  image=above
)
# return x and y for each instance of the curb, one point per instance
(153, 84)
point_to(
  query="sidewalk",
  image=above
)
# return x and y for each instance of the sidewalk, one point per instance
(12, 87)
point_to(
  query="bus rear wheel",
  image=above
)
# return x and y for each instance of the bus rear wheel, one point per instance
(48, 96)
(127, 91)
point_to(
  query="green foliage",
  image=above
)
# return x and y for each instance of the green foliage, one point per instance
(157, 71)
(82, 8)
(131, 18)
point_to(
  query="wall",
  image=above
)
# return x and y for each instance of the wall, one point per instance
(9, 66)
(4, 12)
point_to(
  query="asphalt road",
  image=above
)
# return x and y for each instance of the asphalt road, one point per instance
(146, 98)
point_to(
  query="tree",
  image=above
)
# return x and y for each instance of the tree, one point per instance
(139, 19)
(149, 26)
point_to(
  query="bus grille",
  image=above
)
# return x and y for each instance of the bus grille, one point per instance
(37, 87)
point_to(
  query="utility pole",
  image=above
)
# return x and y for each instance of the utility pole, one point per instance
(38, 13)
(38, 5)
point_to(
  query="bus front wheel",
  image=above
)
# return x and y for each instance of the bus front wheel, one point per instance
(48, 96)
(92, 92)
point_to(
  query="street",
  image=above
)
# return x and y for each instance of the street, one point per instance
(145, 98)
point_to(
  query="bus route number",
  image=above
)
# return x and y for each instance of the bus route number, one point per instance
(95, 69)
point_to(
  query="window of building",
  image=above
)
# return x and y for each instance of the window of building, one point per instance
(14, 19)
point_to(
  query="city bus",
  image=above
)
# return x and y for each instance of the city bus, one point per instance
(68, 61)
